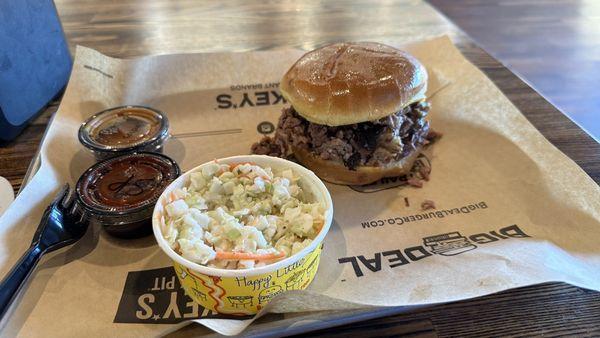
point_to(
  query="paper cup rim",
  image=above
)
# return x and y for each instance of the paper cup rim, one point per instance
(305, 173)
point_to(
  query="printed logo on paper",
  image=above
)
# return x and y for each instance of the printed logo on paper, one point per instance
(265, 127)
(156, 297)
(250, 95)
(446, 244)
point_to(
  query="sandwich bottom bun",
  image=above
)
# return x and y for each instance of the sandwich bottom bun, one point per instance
(337, 173)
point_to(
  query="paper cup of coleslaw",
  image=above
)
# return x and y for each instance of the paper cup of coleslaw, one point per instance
(247, 291)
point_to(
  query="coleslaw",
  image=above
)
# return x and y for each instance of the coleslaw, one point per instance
(240, 216)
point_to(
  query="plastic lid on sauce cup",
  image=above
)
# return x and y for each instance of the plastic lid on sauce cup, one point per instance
(124, 129)
(120, 193)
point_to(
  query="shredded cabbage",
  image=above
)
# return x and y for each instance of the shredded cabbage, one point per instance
(244, 209)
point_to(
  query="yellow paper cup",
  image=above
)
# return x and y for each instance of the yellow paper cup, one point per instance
(245, 292)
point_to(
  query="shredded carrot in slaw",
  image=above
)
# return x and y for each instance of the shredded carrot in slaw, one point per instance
(235, 165)
(228, 255)
(319, 226)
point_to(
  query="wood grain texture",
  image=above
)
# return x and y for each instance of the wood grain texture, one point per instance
(138, 27)
(552, 309)
(552, 44)
(15, 156)
(131, 28)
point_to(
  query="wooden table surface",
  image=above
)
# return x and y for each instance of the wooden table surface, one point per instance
(553, 44)
(132, 28)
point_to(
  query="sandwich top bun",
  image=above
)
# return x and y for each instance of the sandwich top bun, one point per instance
(347, 83)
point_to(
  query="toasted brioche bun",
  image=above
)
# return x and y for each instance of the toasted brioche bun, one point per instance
(347, 83)
(335, 172)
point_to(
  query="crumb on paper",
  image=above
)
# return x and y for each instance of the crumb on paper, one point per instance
(421, 171)
(427, 204)
(415, 182)
(425, 171)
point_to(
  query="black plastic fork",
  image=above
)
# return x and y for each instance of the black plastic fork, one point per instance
(60, 226)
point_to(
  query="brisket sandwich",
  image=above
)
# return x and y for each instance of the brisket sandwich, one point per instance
(357, 115)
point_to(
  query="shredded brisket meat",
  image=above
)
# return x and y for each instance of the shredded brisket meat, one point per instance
(372, 143)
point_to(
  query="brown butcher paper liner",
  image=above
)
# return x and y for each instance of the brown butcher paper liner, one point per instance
(511, 210)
